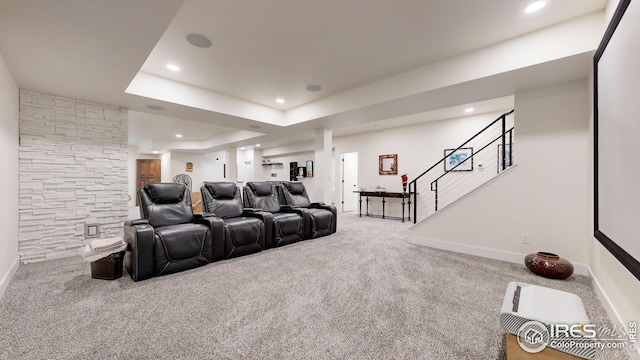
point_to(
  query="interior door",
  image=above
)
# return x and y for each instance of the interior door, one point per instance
(148, 171)
(349, 181)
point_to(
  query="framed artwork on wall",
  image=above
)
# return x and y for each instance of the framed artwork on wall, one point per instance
(460, 160)
(388, 164)
(309, 168)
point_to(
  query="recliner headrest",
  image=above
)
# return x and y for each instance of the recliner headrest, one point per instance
(295, 188)
(165, 193)
(260, 188)
(222, 190)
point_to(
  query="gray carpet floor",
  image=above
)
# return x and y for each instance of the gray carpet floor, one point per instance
(362, 293)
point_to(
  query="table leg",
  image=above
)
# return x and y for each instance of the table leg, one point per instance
(360, 209)
(402, 207)
(383, 207)
(367, 206)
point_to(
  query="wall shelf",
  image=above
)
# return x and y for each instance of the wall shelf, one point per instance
(268, 164)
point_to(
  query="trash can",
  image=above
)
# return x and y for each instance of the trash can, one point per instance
(108, 268)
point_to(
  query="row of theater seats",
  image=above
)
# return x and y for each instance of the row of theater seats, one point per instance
(169, 237)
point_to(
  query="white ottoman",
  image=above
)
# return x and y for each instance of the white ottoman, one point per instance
(545, 318)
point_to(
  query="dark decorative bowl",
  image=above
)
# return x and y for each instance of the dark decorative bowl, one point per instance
(548, 265)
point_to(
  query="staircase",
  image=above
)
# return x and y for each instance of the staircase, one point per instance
(474, 163)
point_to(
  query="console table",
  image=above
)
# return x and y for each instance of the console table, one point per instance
(383, 194)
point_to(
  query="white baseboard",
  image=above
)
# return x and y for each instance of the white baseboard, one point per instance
(611, 311)
(4, 283)
(604, 299)
(516, 258)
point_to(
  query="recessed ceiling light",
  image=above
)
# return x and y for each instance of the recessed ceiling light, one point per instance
(156, 107)
(173, 67)
(313, 87)
(178, 135)
(257, 145)
(242, 148)
(199, 40)
(535, 6)
(155, 151)
(280, 100)
(468, 110)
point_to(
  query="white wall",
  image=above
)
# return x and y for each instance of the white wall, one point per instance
(282, 171)
(165, 167)
(546, 196)
(418, 147)
(9, 129)
(205, 167)
(246, 166)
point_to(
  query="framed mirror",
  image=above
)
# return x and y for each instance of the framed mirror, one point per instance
(388, 164)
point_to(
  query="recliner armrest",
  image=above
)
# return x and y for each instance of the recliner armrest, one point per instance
(203, 215)
(319, 205)
(136, 222)
(289, 207)
(257, 213)
(216, 226)
(292, 209)
(138, 261)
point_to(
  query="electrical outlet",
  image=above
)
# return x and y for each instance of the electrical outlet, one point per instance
(525, 238)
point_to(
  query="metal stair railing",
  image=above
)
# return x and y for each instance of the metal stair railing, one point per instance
(439, 186)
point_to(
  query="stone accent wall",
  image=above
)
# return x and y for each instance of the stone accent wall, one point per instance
(73, 171)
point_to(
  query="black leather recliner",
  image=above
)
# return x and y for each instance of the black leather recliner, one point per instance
(246, 231)
(288, 222)
(323, 219)
(169, 238)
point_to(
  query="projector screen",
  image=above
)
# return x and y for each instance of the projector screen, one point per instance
(616, 130)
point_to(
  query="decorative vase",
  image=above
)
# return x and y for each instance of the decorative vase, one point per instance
(548, 265)
(404, 182)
